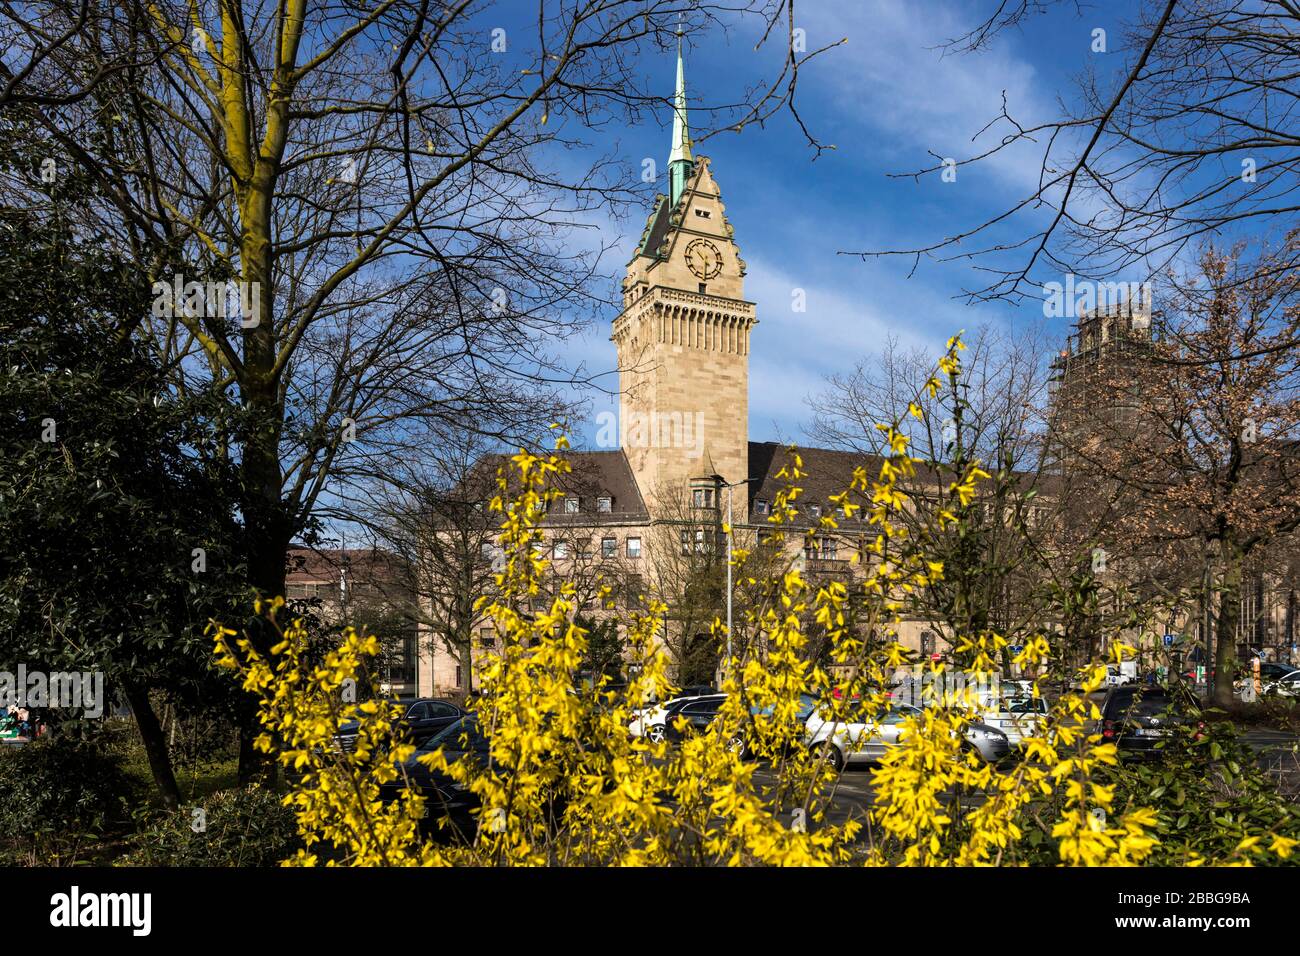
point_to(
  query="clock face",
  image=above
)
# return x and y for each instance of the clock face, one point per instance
(703, 259)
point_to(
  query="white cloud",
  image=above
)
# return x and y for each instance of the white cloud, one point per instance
(893, 76)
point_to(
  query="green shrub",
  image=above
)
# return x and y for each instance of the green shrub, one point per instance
(1210, 793)
(59, 793)
(246, 827)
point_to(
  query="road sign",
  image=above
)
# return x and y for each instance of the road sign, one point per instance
(1016, 649)
(1169, 640)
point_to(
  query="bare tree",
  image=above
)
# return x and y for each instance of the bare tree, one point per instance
(995, 554)
(1187, 138)
(380, 185)
(1198, 464)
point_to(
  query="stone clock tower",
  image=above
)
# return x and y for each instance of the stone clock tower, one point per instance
(683, 336)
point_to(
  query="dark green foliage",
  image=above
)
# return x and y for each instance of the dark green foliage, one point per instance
(58, 793)
(605, 646)
(241, 827)
(108, 480)
(1210, 793)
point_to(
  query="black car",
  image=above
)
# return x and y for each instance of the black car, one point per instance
(443, 796)
(700, 713)
(697, 715)
(422, 719)
(1140, 719)
(450, 808)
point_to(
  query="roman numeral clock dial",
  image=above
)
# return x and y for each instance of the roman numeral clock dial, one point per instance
(703, 259)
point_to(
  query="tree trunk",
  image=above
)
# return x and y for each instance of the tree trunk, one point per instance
(267, 535)
(1225, 657)
(155, 745)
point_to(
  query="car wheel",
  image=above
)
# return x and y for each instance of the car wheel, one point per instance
(657, 733)
(736, 745)
(831, 754)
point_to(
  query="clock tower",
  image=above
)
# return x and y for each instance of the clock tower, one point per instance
(683, 335)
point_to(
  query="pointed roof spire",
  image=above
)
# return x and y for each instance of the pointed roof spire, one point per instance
(681, 131)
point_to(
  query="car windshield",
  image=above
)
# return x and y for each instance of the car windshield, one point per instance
(451, 736)
(1146, 705)
(1025, 705)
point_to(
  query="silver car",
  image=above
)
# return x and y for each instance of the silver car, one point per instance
(1017, 717)
(866, 741)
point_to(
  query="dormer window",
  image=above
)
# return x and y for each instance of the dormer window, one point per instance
(571, 505)
(814, 511)
(762, 507)
(605, 505)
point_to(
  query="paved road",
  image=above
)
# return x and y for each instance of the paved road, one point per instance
(853, 794)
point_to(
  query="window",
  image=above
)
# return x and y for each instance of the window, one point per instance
(634, 547)
(686, 542)
(703, 213)
(418, 711)
(704, 289)
(702, 708)
(439, 709)
(704, 497)
(605, 505)
(608, 547)
(487, 637)
(460, 678)
(762, 507)
(814, 511)
(561, 550)
(571, 505)
(823, 550)
(487, 552)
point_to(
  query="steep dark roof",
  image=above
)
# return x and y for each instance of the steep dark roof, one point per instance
(657, 231)
(592, 475)
(829, 472)
(826, 472)
(371, 570)
(598, 474)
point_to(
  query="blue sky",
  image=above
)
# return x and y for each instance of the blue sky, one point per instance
(884, 99)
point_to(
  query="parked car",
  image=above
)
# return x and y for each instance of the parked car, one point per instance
(1282, 680)
(699, 713)
(444, 797)
(696, 714)
(422, 719)
(1018, 717)
(1288, 685)
(1139, 720)
(652, 721)
(866, 740)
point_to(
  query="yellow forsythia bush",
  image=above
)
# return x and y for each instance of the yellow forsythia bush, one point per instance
(568, 784)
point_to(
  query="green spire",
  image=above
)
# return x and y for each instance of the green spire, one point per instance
(679, 160)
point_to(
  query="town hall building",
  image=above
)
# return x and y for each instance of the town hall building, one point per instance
(685, 460)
